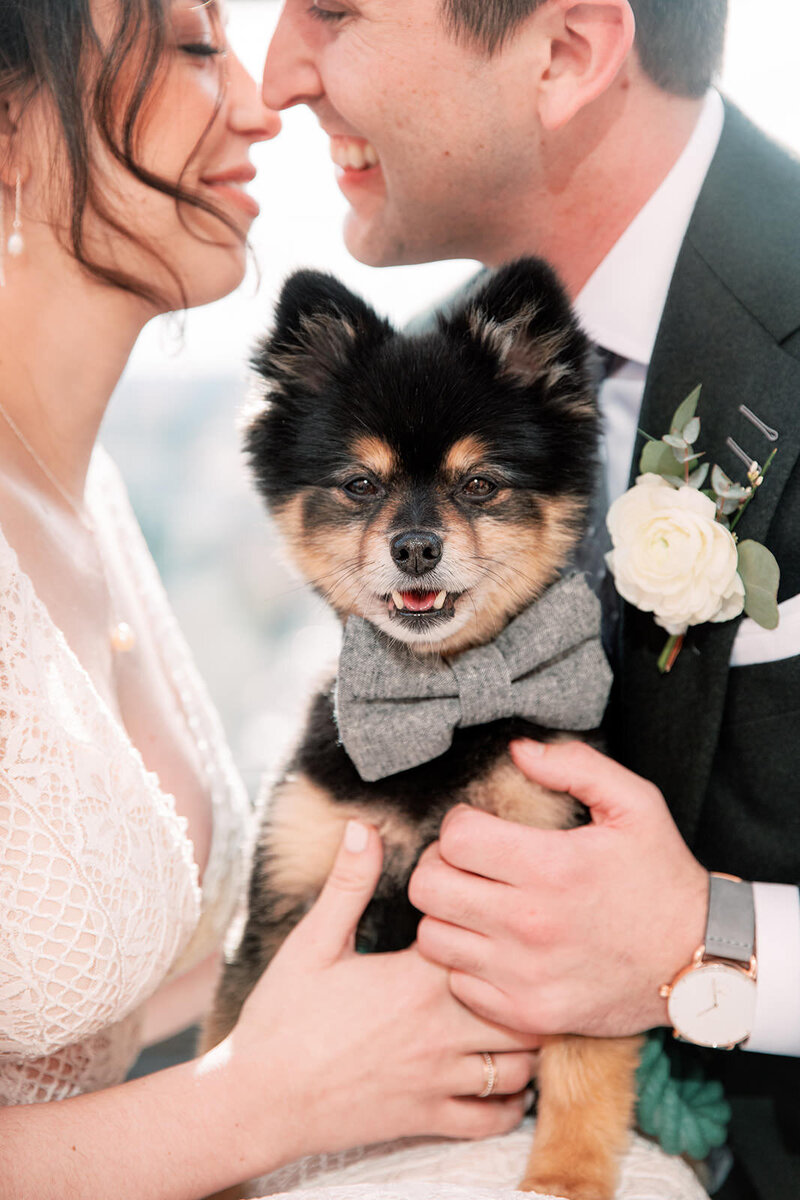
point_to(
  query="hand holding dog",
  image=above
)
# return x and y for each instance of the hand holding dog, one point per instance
(357, 1049)
(564, 931)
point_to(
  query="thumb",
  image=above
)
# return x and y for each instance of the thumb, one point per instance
(611, 791)
(328, 930)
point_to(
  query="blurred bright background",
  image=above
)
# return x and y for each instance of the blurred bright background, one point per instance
(260, 640)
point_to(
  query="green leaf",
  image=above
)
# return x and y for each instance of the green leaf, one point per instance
(657, 459)
(691, 431)
(686, 411)
(698, 477)
(761, 576)
(675, 441)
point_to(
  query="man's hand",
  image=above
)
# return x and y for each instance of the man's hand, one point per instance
(564, 931)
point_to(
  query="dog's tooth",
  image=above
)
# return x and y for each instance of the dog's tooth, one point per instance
(439, 601)
(399, 603)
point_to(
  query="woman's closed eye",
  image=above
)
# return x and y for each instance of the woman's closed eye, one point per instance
(203, 49)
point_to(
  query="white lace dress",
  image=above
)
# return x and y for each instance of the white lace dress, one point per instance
(99, 895)
(100, 903)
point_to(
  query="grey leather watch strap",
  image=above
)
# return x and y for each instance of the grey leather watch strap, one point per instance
(731, 925)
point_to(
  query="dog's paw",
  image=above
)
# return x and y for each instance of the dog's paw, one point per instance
(572, 1185)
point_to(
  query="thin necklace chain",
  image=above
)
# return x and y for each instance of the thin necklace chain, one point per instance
(121, 635)
(43, 467)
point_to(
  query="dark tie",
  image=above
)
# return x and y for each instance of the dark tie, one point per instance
(590, 554)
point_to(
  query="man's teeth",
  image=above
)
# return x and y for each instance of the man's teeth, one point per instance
(353, 154)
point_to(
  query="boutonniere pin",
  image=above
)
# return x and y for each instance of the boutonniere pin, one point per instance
(675, 553)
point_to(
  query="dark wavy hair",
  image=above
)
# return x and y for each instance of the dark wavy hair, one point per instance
(52, 47)
(679, 42)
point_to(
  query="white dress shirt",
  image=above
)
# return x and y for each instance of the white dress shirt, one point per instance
(620, 307)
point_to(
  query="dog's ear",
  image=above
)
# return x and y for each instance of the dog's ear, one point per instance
(320, 329)
(522, 316)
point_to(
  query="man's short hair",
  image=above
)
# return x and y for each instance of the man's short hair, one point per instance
(679, 42)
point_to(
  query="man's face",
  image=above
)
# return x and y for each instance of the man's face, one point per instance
(435, 142)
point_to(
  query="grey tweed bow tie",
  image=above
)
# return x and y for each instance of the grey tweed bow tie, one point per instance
(395, 710)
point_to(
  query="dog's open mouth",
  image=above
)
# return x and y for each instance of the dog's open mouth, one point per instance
(438, 606)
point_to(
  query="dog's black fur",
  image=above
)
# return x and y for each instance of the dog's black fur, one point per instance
(479, 440)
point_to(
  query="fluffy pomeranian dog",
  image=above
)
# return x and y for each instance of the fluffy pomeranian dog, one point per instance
(434, 486)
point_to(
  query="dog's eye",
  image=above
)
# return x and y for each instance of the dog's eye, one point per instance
(479, 488)
(362, 488)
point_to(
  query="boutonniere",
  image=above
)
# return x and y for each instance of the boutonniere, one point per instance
(675, 553)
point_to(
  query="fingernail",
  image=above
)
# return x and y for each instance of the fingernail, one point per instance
(535, 749)
(356, 837)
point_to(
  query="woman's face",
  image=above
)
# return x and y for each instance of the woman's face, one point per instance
(195, 130)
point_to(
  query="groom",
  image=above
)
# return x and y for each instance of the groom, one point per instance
(585, 131)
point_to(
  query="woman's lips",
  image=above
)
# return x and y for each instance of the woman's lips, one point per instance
(231, 186)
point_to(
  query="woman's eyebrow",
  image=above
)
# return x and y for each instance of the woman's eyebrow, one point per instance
(217, 7)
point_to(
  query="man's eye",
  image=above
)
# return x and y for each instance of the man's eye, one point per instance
(479, 488)
(362, 488)
(326, 14)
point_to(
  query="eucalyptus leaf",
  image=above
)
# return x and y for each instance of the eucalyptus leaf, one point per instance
(720, 481)
(686, 411)
(675, 480)
(760, 575)
(657, 459)
(691, 431)
(698, 477)
(677, 443)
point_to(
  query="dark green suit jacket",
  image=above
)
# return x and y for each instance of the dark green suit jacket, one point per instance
(724, 744)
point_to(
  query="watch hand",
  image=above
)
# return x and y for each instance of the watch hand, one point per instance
(708, 1010)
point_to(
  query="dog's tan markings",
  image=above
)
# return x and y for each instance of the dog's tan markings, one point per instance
(586, 1096)
(464, 456)
(305, 827)
(518, 561)
(376, 455)
(329, 558)
(507, 793)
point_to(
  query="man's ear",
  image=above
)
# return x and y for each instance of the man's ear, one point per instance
(589, 41)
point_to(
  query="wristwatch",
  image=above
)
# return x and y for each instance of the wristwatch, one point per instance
(712, 1002)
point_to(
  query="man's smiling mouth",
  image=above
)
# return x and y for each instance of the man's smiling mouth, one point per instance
(353, 154)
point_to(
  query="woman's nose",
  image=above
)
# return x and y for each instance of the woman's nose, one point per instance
(247, 112)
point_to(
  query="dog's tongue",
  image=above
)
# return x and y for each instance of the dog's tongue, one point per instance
(418, 601)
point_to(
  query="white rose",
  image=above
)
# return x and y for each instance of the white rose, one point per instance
(671, 557)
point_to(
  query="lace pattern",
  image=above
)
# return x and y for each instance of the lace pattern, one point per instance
(99, 897)
(436, 1169)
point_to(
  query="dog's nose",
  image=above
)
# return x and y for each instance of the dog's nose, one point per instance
(417, 551)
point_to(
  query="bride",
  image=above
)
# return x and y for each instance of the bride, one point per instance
(125, 127)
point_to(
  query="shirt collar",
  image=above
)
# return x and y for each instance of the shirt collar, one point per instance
(620, 306)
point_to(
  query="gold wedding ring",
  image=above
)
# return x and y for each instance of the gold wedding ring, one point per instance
(489, 1076)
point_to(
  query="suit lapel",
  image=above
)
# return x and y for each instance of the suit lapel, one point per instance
(667, 726)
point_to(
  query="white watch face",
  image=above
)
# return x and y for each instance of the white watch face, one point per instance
(713, 1005)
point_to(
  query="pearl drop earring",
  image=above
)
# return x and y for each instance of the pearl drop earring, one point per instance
(16, 243)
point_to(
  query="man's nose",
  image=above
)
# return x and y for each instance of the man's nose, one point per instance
(290, 71)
